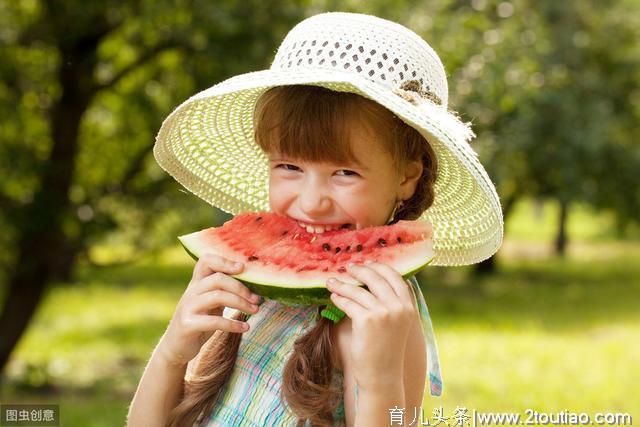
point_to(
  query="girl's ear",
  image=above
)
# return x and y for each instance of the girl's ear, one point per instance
(409, 180)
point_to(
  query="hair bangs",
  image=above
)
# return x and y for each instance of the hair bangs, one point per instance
(306, 122)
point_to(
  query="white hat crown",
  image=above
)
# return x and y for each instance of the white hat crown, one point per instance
(378, 50)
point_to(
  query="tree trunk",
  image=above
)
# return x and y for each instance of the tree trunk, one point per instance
(561, 235)
(44, 252)
(35, 267)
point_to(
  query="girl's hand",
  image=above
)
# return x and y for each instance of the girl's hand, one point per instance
(199, 312)
(381, 321)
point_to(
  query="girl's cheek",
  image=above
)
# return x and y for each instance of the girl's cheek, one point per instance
(281, 194)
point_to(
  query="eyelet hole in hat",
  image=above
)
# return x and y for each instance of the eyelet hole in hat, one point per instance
(392, 68)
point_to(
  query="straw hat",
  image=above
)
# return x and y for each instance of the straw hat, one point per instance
(207, 143)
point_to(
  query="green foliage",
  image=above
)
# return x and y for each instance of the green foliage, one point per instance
(547, 87)
(149, 57)
(550, 88)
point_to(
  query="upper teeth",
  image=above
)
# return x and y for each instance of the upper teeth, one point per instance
(317, 228)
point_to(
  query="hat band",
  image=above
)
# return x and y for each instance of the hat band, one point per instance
(416, 87)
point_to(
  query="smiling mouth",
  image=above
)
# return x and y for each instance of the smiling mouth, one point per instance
(318, 229)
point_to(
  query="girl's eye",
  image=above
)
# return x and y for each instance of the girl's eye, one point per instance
(288, 167)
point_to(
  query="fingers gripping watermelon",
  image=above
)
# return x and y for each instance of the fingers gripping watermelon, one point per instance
(283, 261)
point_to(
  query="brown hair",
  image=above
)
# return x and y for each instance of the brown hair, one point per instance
(284, 116)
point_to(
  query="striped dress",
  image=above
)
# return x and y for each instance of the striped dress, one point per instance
(251, 396)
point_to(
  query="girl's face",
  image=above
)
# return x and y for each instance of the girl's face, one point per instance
(319, 194)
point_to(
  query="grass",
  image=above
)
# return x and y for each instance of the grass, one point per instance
(543, 333)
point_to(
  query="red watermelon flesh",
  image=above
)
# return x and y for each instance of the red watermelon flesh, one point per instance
(283, 261)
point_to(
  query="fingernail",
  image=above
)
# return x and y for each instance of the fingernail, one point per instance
(332, 281)
(237, 265)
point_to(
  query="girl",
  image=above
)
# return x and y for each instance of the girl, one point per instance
(348, 128)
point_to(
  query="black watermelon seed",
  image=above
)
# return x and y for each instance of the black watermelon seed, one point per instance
(399, 240)
(347, 249)
(382, 242)
(359, 248)
(326, 246)
(342, 270)
(253, 258)
(337, 249)
(259, 219)
(284, 233)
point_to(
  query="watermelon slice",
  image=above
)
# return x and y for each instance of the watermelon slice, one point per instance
(283, 261)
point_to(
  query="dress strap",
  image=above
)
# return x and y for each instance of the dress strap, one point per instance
(433, 363)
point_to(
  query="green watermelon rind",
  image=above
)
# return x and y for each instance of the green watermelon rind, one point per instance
(304, 295)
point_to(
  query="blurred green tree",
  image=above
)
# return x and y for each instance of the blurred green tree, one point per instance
(83, 87)
(551, 88)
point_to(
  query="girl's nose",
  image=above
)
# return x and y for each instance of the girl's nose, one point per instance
(314, 202)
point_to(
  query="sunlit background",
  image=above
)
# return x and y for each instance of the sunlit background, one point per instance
(90, 268)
